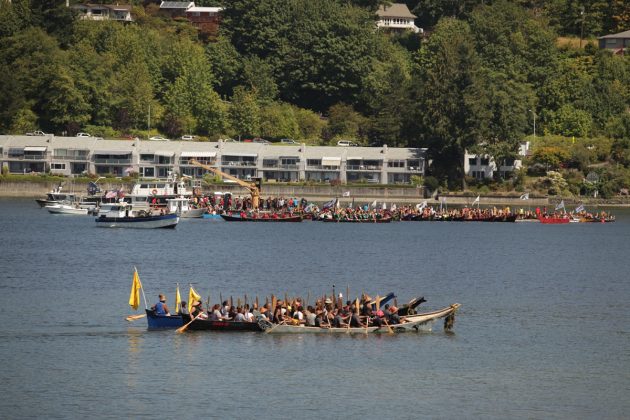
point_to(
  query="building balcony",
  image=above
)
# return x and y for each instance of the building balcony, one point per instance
(27, 157)
(281, 166)
(75, 158)
(246, 164)
(323, 168)
(363, 168)
(113, 161)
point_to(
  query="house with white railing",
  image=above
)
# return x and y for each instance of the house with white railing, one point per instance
(118, 12)
(396, 17)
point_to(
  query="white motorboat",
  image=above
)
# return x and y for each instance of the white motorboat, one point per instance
(182, 207)
(124, 215)
(65, 208)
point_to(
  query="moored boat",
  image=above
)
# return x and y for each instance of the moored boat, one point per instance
(65, 208)
(123, 215)
(183, 208)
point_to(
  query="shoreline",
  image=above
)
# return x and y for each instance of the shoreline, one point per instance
(361, 195)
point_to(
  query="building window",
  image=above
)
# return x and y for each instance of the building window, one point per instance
(472, 161)
(313, 162)
(485, 161)
(58, 166)
(611, 42)
(396, 164)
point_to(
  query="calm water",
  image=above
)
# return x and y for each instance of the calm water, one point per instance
(544, 330)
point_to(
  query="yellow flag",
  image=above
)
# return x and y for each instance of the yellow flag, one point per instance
(178, 300)
(134, 297)
(192, 297)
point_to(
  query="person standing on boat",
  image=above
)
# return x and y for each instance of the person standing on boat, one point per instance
(160, 307)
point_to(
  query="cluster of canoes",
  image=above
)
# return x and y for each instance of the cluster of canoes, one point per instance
(412, 214)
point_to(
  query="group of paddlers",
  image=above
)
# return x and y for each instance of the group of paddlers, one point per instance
(325, 313)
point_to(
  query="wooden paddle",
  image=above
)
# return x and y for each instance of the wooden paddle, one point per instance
(183, 328)
(134, 317)
(390, 330)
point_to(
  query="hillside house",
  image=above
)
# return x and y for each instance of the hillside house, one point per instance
(396, 17)
(618, 43)
(176, 8)
(116, 12)
(484, 166)
(206, 19)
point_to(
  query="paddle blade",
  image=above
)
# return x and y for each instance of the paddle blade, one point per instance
(134, 317)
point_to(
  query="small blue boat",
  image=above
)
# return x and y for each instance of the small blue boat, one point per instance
(156, 322)
(214, 217)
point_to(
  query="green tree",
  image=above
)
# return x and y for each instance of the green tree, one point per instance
(326, 52)
(278, 120)
(345, 122)
(445, 91)
(310, 124)
(258, 76)
(569, 121)
(24, 121)
(244, 113)
(226, 64)
(62, 104)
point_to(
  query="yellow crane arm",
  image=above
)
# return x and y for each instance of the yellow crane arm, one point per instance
(253, 189)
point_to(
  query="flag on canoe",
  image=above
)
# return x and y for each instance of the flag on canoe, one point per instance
(560, 206)
(346, 194)
(476, 200)
(579, 208)
(421, 205)
(178, 300)
(525, 196)
(193, 296)
(134, 296)
(329, 204)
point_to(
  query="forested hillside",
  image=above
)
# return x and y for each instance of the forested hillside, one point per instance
(318, 70)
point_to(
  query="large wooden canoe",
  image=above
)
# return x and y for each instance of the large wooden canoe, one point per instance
(370, 220)
(238, 218)
(413, 324)
(209, 325)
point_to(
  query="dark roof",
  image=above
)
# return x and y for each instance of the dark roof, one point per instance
(176, 4)
(104, 6)
(395, 10)
(625, 34)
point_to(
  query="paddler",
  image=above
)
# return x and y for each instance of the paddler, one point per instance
(160, 307)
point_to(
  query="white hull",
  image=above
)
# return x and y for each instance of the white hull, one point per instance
(192, 213)
(413, 323)
(137, 223)
(65, 209)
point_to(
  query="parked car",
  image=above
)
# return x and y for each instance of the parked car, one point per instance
(158, 138)
(188, 137)
(36, 133)
(346, 143)
(259, 140)
(83, 135)
(288, 141)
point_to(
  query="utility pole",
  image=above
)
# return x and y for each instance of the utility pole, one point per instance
(534, 114)
(582, 26)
